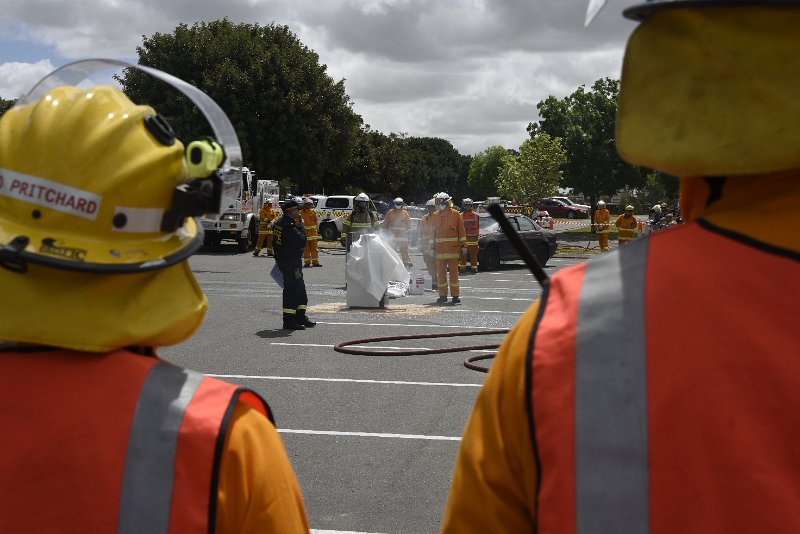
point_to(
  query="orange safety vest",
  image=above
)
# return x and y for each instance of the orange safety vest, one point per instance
(447, 234)
(472, 225)
(310, 221)
(114, 442)
(398, 222)
(688, 424)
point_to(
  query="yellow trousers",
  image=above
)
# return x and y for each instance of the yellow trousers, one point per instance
(442, 266)
(311, 253)
(472, 255)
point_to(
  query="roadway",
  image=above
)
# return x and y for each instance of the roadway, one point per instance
(372, 439)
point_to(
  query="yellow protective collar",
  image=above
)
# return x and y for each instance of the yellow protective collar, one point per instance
(712, 91)
(100, 313)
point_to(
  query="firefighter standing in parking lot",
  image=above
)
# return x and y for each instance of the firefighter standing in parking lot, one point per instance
(602, 220)
(289, 241)
(423, 241)
(626, 226)
(472, 229)
(360, 221)
(311, 251)
(398, 223)
(449, 241)
(266, 215)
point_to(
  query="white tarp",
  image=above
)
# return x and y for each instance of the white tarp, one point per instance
(372, 264)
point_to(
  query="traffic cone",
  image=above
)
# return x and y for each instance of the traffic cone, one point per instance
(552, 224)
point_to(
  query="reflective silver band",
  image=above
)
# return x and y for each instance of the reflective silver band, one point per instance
(150, 461)
(611, 469)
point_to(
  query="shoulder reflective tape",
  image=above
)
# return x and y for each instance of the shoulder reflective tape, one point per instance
(611, 454)
(50, 194)
(147, 481)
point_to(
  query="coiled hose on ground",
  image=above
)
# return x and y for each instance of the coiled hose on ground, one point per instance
(344, 346)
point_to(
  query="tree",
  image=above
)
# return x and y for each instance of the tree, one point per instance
(535, 171)
(5, 105)
(294, 122)
(585, 121)
(485, 169)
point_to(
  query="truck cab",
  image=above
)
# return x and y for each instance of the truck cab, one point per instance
(239, 223)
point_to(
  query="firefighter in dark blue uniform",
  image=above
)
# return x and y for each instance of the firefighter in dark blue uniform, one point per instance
(289, 240)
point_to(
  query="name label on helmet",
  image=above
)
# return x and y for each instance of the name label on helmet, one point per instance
(49, 194)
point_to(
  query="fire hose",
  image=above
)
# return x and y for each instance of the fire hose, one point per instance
(468, 363)
(530, 260)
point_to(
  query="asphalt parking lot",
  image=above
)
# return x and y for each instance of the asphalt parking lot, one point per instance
(372, 439)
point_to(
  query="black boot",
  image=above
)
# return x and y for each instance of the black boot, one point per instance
(305, 321)
(290, 322)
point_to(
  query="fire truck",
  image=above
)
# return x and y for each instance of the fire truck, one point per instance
(239, 223)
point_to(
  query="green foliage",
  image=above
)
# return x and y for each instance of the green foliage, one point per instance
(484, 171)
(585, 121)
(535, 171)
(658, 188)
(294, 122)
(411, 167)
(5, 105)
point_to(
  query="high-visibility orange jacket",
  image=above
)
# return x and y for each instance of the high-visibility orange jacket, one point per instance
(447, 234)
(398, 222)
(310, 221)
(265, 215)
(640, 394)
(472, 226)
(129, 443)
(626, 227)
(601, 220)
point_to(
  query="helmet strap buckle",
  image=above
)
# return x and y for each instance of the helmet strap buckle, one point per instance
(10, 255)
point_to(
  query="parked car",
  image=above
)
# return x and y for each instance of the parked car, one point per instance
(559, 209)
(569, 202)
(494, 246)
(331, 212)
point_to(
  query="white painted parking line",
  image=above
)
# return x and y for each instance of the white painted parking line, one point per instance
(356, 380)
(317, 531)
(457, 310)
(369, 434)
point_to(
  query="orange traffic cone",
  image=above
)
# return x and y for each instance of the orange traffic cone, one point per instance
(552, 224)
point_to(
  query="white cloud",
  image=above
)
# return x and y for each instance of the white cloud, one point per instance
(469, 71)
(16, 79)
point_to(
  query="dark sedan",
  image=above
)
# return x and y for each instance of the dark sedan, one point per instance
(560, 209)
(495, 247)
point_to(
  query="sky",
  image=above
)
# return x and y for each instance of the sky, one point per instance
(468, 71)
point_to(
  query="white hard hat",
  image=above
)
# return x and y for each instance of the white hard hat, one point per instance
(601, 204)
(362, 197)
(467, 201)
(443, 197)
(398, 200)
(431, 202)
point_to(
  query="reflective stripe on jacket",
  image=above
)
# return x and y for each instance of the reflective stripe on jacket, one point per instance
(650, 426)
(114, 442)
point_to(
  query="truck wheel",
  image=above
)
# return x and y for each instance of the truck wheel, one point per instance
(328, 232)
(246, 242)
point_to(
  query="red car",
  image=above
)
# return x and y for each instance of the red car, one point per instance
(562, 210)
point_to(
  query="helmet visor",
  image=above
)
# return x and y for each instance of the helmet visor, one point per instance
(79, 72)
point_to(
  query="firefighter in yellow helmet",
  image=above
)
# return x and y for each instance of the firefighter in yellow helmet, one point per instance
(602, 218)
(311, 250)
(449, 241)
(98, 207)
(266, 218)
(397, 224)
(639, 394)
(626, 226)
